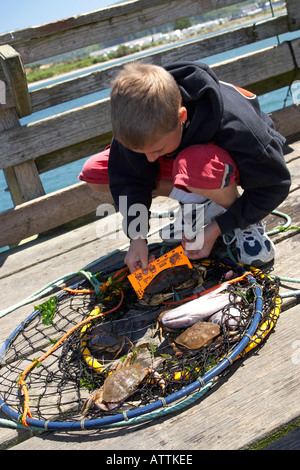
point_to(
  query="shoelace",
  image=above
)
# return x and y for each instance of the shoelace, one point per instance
(248, 232)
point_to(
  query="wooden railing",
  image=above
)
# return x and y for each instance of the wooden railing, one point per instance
(27, 151)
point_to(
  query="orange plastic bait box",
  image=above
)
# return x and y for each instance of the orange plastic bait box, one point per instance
(140, 281)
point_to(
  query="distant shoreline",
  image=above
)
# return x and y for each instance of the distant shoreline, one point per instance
(86, 69)
(213, 29)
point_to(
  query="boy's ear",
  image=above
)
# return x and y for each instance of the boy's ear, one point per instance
(182, 114)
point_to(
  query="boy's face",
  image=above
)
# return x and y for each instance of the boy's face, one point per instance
(165, 144)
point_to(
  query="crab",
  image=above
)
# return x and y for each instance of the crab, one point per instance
(119, 385)
(195, 337)
(100, 340)
(163, 285)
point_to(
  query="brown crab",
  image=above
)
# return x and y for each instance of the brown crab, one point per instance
(195, 337)
(179, 277)
(119, 385)
(100, 340)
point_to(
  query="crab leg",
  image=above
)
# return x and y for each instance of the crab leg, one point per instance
(94, 397)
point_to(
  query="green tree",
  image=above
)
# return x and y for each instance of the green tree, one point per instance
(181, 24)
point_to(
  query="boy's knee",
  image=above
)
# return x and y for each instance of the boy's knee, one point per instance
(206, 167)
(95, 169)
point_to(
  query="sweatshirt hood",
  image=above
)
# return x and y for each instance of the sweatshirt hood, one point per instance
(200, 90)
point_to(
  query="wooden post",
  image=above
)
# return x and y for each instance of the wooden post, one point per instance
(11, 63)
(293, 11)
(23, 180)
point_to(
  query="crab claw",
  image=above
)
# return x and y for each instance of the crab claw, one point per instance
(161, 382)
(156, 377)
(94, 398)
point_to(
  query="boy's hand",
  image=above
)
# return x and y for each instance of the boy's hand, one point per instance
(137, 256)
(211, 233)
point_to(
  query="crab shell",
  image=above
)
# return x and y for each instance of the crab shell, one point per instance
(101, 340)
(198, 335)
(119, 385)
(179, 277)
(122, 383)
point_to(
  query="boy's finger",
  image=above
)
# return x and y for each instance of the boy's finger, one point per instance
(194, 254)
(144, 264)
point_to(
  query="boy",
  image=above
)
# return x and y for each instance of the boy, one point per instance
(181, 123)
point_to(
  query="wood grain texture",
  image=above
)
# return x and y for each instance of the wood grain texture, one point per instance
(52, 210)
(44, 41)
(95, 81)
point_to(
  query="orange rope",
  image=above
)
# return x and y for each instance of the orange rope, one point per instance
(78, 291)
(192, 297)
(22, 383)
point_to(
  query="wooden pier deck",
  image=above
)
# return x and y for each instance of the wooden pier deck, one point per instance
(257, 402)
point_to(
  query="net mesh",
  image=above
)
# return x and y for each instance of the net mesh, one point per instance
(60, 383)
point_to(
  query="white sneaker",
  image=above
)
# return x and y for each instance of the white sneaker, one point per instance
(210, 208)
(190, 221)
(253, 246)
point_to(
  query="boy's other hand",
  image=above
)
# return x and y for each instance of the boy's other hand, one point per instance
(137, 256)
(211, 233)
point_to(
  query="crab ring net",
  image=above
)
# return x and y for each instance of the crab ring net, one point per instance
(58, 384)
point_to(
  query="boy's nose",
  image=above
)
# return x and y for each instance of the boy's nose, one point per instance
(151, 157)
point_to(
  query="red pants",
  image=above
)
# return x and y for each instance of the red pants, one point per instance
(204, 166)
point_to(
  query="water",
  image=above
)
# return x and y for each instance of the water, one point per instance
(67, 175)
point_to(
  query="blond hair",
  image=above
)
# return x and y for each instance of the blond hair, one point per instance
(145, 100)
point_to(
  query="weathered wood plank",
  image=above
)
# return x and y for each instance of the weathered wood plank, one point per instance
(85, 122)
(16, 80)
(292, 7)
(262, 71)
(6, 97)
(12, 264)
(292, 150)
(76, 32)
(56, 257)
(93, 82)
(9, 120)
(50, 134)
(49, 211)
(52, 210)
(24, 182)
(287, 120)
(101, 15)
(29, 180)
(73, 153)
(23, 179)
(17, 260)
